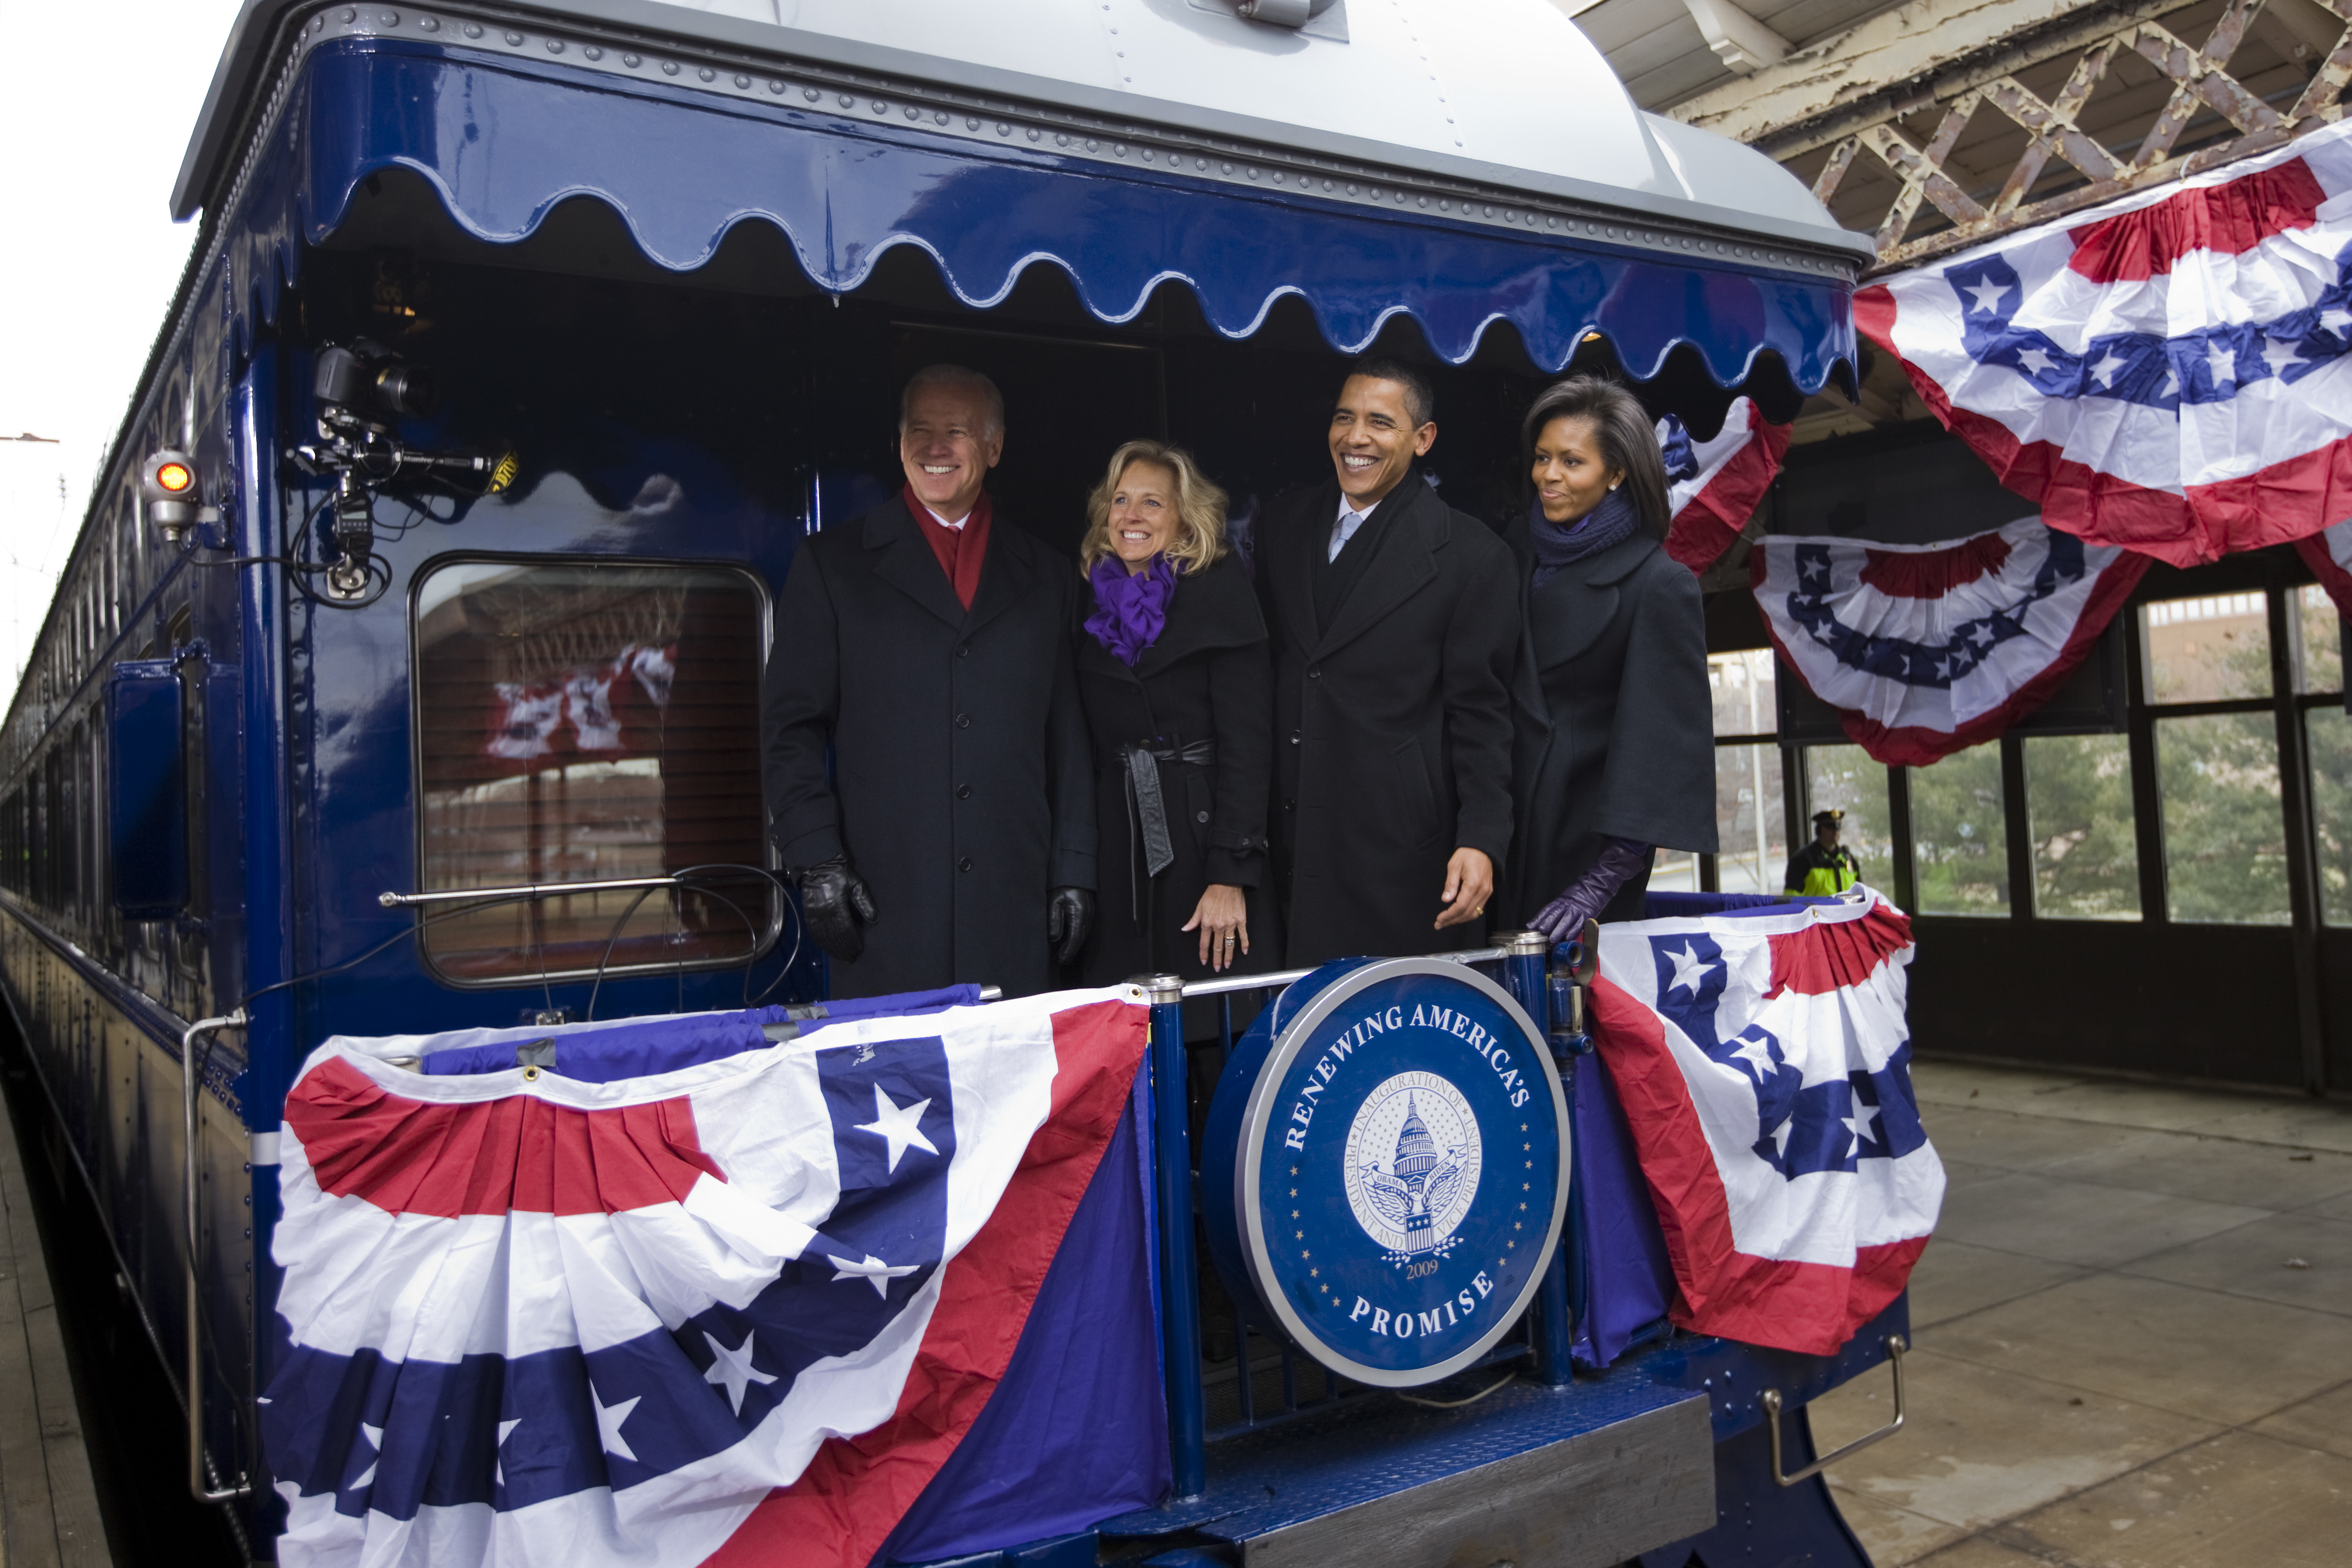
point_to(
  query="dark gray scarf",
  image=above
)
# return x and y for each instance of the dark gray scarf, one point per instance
(1559, 544)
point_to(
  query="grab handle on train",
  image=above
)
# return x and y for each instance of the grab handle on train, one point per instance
(198, 1479)
(1895, 1346)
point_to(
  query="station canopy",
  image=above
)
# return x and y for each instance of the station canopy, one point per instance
(1466, 162)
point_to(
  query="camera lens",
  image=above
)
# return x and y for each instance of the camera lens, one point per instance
(406, 389)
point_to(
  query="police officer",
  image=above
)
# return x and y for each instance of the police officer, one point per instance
(1822, 868)
(927, 644)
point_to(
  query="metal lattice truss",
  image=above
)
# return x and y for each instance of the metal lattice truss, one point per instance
(2089, 137)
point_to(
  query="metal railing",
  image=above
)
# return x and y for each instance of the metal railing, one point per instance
(1292, 1384)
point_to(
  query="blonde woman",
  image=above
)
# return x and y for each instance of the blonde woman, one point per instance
(1174, 675)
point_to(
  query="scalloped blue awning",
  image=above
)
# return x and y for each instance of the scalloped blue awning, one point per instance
(504, 140)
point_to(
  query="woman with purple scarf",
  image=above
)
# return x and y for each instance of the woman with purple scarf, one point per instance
(1173, 673)
(1616, 759)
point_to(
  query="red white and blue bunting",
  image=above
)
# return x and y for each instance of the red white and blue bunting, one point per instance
(1713, 487)
(1926, 649)
(2171, 373)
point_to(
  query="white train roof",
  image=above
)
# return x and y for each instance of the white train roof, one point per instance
(1505, 92)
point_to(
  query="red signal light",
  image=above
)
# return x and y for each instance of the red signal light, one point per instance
(174, 477)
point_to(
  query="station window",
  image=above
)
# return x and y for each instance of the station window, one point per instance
(1749, 821)
(2224, 831)
(2078, 806)
(590, 723)
(2319, 652)
(1960, 835)
(1844, 778)
(2216, 648)
(2328, 736)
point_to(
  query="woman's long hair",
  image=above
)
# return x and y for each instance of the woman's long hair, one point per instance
(1629, 442)
(1200, 508)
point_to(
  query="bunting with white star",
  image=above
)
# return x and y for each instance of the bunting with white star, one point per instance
(1764, 1064)
(1926, 648)
(535, 1318)
(2171, 372)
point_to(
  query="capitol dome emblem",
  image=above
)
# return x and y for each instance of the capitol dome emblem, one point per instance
(1413, 1165)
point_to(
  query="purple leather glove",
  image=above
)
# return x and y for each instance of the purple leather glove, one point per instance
(1562, 919)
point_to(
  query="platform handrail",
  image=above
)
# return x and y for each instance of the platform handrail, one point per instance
(396, 901)
(199, 1484)
(1772, 1402)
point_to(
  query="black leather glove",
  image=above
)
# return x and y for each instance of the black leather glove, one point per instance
(1069, 916)
(836, 907)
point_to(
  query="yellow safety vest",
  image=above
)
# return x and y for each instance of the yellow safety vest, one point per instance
(1825, 874)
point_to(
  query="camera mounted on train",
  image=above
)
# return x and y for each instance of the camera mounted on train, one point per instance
(364, 390)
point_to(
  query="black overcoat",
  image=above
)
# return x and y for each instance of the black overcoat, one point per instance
(960, 751)
(1392, 726)
(1624, 741)
(1204, 679)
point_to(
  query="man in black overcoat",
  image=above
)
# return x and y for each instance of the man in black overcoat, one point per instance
(1395, 622)
(927, 644)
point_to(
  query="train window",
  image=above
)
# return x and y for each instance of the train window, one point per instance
(590, 723)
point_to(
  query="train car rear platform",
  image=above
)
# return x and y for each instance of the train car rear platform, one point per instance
(2133, 1333)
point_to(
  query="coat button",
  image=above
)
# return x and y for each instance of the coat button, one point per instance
(1200, 816)
(964, 792)
(964, 864)
(963, 720)
(1314, 675)
(963, 650)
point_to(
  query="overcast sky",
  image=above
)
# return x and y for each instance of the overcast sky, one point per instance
(96, 107)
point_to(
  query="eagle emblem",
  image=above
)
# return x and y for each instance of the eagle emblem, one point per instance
(1410, 1190)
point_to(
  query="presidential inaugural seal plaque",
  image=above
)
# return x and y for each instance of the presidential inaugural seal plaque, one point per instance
(1398, 1144)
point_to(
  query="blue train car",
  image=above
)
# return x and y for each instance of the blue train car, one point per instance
(405, 673)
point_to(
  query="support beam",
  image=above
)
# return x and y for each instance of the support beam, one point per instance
(1903, 49)
(1742, 43)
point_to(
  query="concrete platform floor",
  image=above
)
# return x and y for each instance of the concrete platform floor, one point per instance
(2133, 1334)
(49, 1505)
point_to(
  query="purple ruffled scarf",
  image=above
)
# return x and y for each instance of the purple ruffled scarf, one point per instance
(1130, 609)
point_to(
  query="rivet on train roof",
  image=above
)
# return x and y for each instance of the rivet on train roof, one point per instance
(389, 18)
(555, 46)
(429, 24)
(633, 61)
(514, 40)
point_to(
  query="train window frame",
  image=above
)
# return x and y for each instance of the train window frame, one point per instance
(771, 932)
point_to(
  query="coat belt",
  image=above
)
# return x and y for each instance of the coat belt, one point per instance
(1147, 807)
